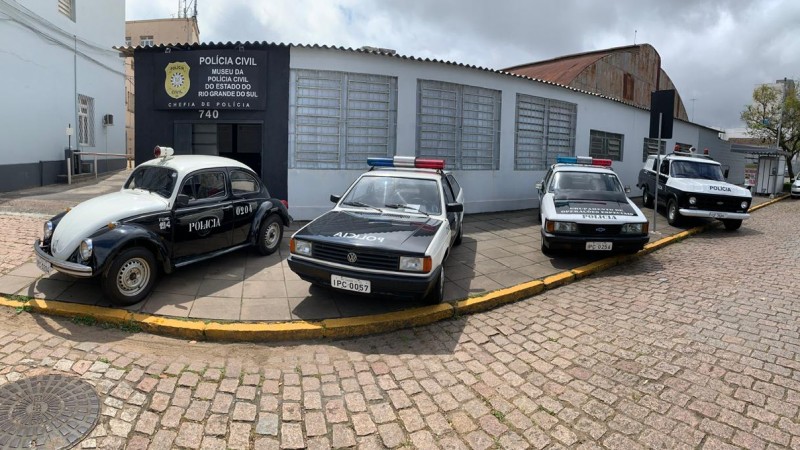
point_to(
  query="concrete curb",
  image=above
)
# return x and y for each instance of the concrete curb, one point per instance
(193, 329)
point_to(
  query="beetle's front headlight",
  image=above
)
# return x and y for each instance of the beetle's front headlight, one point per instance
(48, 229)
(635, 228)
(299, 247)
(86, 249)
(415, 264)
(561, 227)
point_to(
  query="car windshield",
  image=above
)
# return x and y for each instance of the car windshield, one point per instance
(406, 194)
(159, 180)
(586, 181)
(691, 169)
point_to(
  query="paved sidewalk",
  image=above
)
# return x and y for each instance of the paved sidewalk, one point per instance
(693, 346)
(499, 250)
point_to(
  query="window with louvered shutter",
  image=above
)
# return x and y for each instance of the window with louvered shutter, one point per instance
(545, 130)
(337, 120)
(605, 145)
(67, 8)
(458, 123)
(651, 147)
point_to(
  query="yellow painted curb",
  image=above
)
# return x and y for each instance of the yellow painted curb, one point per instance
(499, 297)
(193, 329)
(597, 266)
(381, 323)
(559, 279)
(243, 331)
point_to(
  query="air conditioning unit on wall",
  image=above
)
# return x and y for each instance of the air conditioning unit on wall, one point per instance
(108, 119)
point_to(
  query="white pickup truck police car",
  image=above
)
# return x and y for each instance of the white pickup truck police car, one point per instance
(389, 234)
(583, 206)
(691, 185)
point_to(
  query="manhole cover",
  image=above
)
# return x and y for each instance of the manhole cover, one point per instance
(46, 412)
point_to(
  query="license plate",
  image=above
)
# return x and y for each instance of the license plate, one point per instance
(43, 265)
(718, 215)
(350, 284)
(599, 245)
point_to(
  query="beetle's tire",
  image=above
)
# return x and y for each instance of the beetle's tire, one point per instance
(436, 295)
(647, 200)
(732, 224)
(460, 236)
(673, 215)
(130, 277)
(270, 235)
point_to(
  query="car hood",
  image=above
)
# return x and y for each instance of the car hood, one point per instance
(86, 218)
(390, 232)
(710, 187)
(600, 204)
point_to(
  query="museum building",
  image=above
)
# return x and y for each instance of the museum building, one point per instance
(307, 117)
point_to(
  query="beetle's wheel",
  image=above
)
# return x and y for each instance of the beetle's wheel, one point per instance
(133, 277)
(130, 277)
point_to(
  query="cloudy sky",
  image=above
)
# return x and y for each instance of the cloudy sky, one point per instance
(715, 51)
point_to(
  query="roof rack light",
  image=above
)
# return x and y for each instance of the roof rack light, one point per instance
(585, 160)
(407, 161)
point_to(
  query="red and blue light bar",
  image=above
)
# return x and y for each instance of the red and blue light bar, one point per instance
(407, 161)
(586, 160)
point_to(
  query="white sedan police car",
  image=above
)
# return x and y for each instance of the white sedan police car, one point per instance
(389, 234)
(583, 206)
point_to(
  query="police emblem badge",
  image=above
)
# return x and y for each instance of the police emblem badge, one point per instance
(176, 83)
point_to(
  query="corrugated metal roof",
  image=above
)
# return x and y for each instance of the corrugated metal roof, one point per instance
(561, 71)
(128, 51)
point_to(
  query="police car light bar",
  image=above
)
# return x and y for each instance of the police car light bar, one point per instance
(588, 160)
(159, 152)
(407, 161)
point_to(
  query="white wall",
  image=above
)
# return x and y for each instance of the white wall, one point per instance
(503, 189)
(38, 88)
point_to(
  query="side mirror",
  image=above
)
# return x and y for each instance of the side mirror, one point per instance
(539, 186)
(335, 198)
(454, 207)
(726, 173)
(182, 200)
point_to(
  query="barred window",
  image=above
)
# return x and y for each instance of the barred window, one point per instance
(67, 8)
(605, 145)
(85, 121)
(458, 123)
(337, 120)
(651, 147)
(545, 130)
(146, 41)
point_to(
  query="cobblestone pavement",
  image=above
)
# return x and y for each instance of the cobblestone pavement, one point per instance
(694, 346)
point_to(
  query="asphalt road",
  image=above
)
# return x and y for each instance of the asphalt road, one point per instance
(693, 346)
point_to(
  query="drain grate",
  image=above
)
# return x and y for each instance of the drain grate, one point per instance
(46, 412)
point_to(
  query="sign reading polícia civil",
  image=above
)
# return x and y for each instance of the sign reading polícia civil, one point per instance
(210, 79)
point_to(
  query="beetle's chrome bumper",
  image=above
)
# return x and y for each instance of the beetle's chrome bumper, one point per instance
(69, 268)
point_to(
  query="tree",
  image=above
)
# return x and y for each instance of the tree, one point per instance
(770, 111)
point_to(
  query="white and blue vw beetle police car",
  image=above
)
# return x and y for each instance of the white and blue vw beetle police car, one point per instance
(584, 207)
(172, 211)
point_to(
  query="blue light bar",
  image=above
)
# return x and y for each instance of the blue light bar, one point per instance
(567, 160)
(380, 162)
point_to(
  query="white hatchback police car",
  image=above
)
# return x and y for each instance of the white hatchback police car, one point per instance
(583, 206)
(389, 234)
